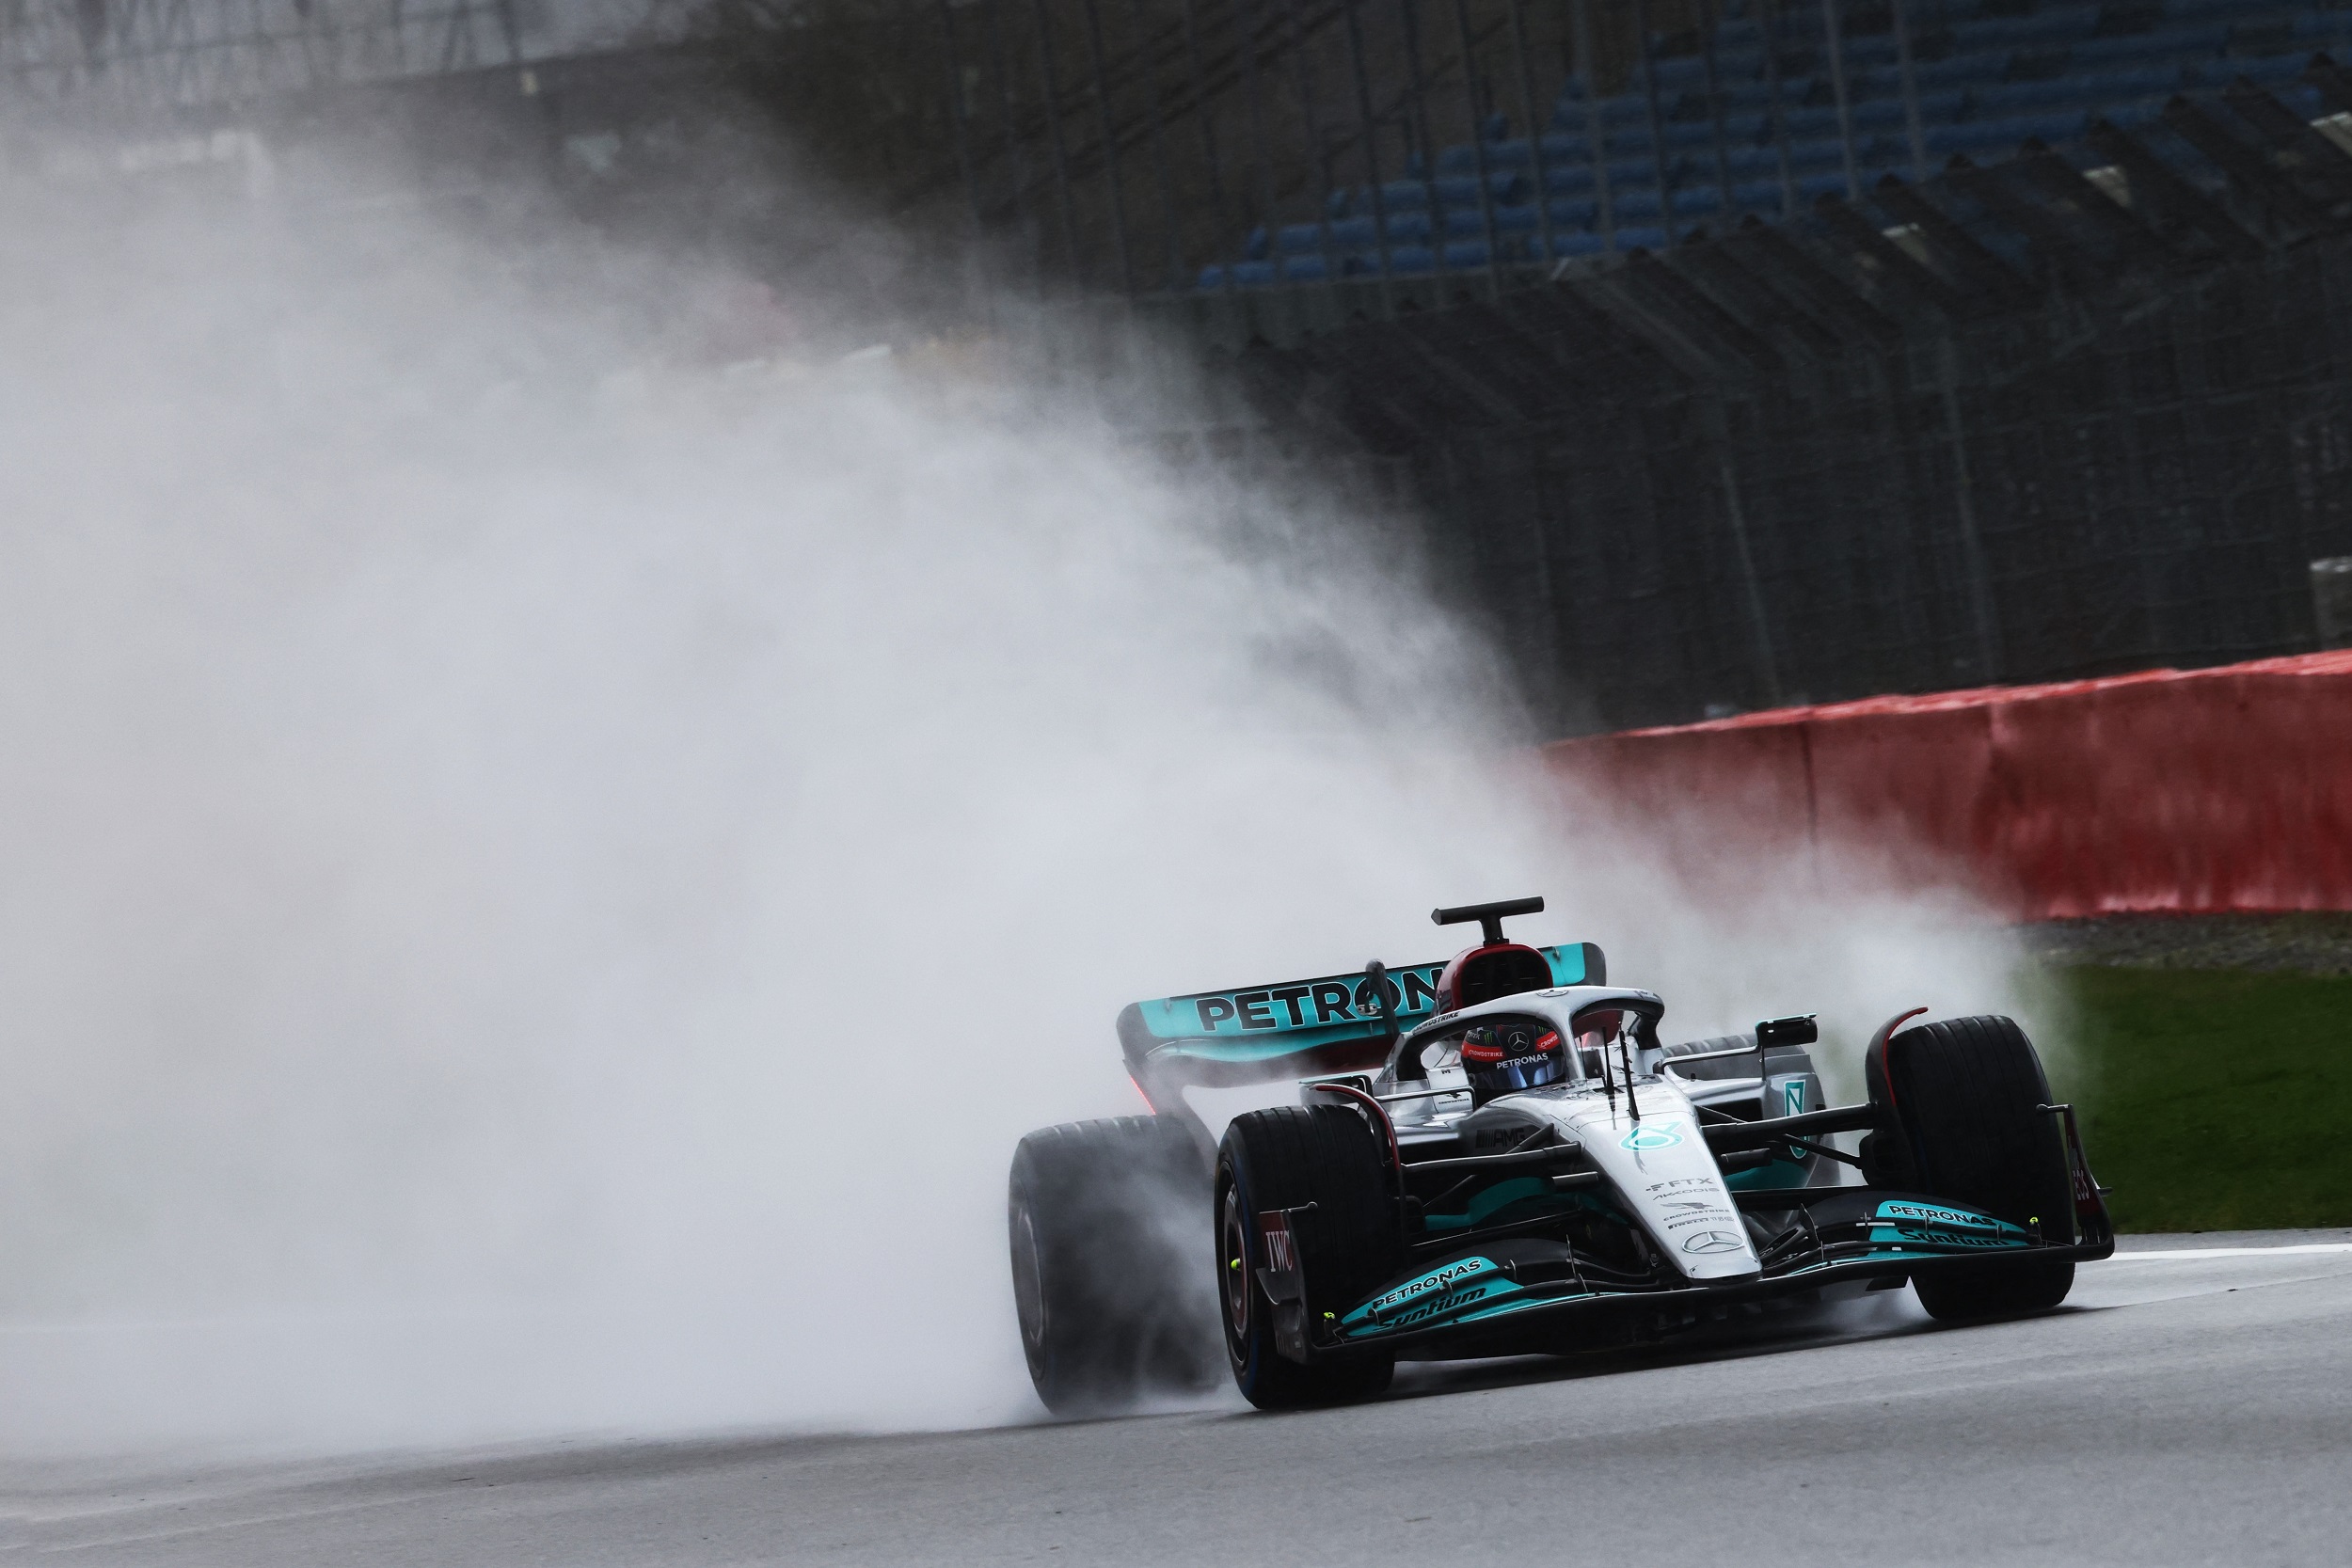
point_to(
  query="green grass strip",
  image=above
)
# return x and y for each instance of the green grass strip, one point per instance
(2213, 1099)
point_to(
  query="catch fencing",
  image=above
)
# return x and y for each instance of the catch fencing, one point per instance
(2025, 421)
(123, 63)
(1166, 147)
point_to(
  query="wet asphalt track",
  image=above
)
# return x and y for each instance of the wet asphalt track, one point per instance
(2180, 1410)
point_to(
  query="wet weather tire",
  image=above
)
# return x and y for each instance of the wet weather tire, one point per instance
(1349, 1243)
(1964, 1093)
(1108, 1221)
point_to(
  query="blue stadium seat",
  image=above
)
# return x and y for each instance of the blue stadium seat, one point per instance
(2006, 100)
(1502, 185)
(1976, 137)
(1299, 237)
(1570, 247)
(1647, 239)
(2202, 38)
(2044, 28)
(1955, 70)
(2268, 70)
(1997, 80)
(1625, 109)
(1356, 233)
(1574, 212)
(1567, 247)
(1247, 275)
(1471, 222)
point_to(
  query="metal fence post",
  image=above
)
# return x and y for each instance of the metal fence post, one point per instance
(1534, 132)
(510, 32)
(1656, 121)
(1217, 202)
(2126, 420)
(1981, 603)
(1110, 147)
(1247, 27)
(1769, 20)
(960, 114)
(1369, 130)
(1062, 151)
(1892, 449)
(1171, 228)
(1911, 89)
(1016, 166)
(1718, 419)
(1596, 127)
(1313, 128)
(1409, 14)
(1715, 114)
(1833, 40)
(1478, 154)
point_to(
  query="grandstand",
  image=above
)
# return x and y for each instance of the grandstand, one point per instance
(1773, 108)
(1853, 346)
(2078, 408)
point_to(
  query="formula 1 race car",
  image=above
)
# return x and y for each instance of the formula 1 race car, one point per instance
(1501, 1156)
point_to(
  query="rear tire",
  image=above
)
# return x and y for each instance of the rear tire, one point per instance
(1106, 1221)
(1349, 1244)
(1964, 1093)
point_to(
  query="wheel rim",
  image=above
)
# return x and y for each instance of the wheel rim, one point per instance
(1028, 1284)
(1233, 1277)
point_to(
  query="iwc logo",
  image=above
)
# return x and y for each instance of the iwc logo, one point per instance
(1712, 1241)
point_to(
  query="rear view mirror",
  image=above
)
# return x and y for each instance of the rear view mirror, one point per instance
(1787, 1031)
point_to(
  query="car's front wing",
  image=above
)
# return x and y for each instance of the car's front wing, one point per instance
(1524, 1288)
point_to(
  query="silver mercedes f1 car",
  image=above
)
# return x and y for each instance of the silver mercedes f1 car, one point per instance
(1502, 1155)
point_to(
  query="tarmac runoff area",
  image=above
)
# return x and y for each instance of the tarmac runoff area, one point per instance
(2191, 1404)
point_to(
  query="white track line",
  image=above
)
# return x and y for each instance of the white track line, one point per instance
(2231, 1252)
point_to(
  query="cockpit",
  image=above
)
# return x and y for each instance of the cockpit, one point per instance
(1499, 1052)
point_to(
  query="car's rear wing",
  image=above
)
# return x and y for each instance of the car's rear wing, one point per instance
(1296, 1028)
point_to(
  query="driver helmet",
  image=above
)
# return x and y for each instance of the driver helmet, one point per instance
(1501, 1057)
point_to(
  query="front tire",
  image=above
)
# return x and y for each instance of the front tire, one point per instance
(1965, 1095)
(1287, 1159)
(1105, 1221)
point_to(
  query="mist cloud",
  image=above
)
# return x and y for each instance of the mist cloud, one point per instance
(540, 881)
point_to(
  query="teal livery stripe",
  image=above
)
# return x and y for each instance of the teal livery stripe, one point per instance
(1509, 1307)
(1465, 1279)
(1477, 1288)
(1500, 1195)
(1780, 1173)
(1265, 1050)
(1492, 1296)
(1255, 1023)
(1445, 1308)
(1897, 1221)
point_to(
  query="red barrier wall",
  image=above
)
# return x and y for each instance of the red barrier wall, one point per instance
(2181, 790)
